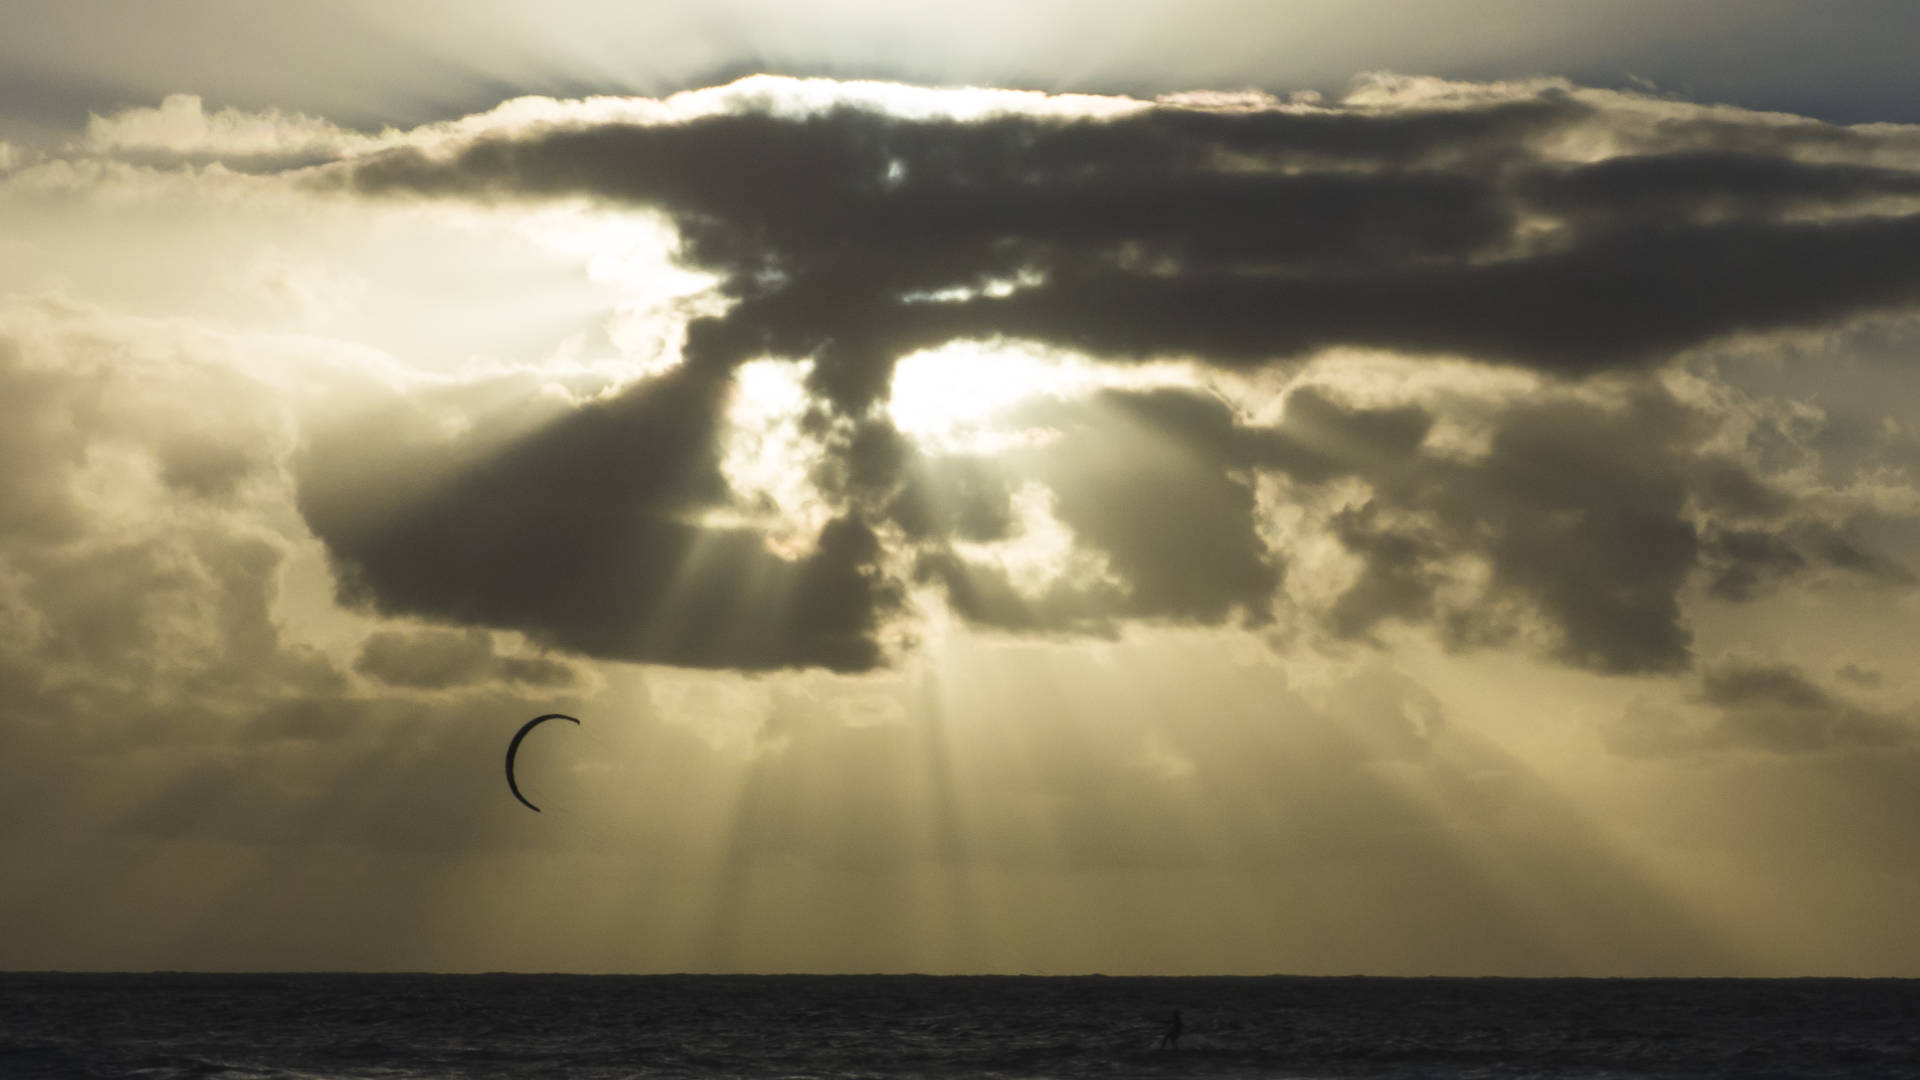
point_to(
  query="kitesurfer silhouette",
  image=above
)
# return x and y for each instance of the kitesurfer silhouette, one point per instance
(1172, 1036)
(514, 748)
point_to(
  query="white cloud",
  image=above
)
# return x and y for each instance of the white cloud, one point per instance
(180, 124)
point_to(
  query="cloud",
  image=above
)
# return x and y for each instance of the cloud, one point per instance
(1777, 707)
(158, 675)
(1151, 489)
(440, 659)
(1761, 706)
(1743, 562)
(1579, 512)
(45, 438)
(180, 126)
(117, 585)
(1858, 675)
(1430, 224)
(1589, 239)
(1578, 524)
(606, 529)
(589, 533)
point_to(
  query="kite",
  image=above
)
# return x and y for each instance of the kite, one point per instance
(514, 748)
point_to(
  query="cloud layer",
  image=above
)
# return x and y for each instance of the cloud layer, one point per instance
(1590, 240)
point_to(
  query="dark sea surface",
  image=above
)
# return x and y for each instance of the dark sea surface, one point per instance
(418, 1026)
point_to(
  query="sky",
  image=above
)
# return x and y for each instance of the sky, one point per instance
(1298, 487)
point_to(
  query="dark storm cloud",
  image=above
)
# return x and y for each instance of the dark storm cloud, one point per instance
(1592, 516)
(1237, 237)
(825, 228)
(850, 237)
(1583, 512)
(586, 535)
(1577, 512)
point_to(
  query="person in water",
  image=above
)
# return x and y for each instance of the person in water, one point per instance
(1172, 1036)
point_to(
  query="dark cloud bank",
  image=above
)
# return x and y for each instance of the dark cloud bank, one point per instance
(1237, 238)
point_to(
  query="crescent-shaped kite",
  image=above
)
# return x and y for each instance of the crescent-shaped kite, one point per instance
(514, 748)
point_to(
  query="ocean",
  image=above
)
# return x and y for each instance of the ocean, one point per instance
(415, 1027)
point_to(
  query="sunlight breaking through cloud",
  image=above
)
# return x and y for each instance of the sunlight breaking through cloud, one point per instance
(1452, 525)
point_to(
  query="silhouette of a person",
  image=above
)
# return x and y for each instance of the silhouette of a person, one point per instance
(1172, 1036)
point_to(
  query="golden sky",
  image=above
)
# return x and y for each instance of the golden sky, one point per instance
(1329, 497)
